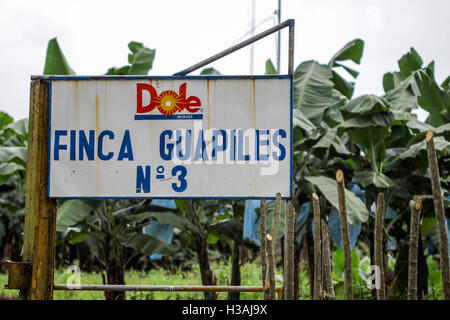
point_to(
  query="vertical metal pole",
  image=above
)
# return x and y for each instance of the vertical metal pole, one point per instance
(279, 37)
(252, 33)
(291, 47)
(40, 211)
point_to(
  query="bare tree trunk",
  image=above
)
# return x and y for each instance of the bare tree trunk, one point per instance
(378, 246)
(114, 270)
(8, 248)
(207, 275)
(416, 207)
(317, 250)
(326, 263)
(310, 253)
(271, 271)
(262, 235)
(297, 258)
(440, 214)
(388, 276)
(276, 226)
(289, 251)
(235, 271)
(345, 236)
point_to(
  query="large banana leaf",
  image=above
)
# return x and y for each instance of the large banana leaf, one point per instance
(15, 134)
(231, 228)
(270, 217)
(55, 62)
(333, 115)
(270, 68)
(9, 169)
(147, 244)
(300, 120)
(391, 80)
(210, 71)
(442, 147)
(404, 96)
(356, 209)
(166, 218)
(141, 58)
(424, 127)
(367, 104)
(423, 85)
(140, 61)
(435, 100)
(409, 63)
(351, 51)
(378, 179)
(313, 90)
(18, 154)
(5, 119)
(74, 211)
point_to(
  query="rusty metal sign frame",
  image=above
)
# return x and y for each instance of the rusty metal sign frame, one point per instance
(35, 275)
(288, 23)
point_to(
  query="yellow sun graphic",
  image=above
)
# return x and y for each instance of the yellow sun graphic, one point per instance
(169, 101)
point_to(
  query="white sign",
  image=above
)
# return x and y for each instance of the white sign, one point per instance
(174, 137)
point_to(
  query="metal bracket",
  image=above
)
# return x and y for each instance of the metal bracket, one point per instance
(19, 275)
(288, 23)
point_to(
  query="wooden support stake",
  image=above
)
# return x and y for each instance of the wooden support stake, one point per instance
(440, 214)
(317, 250)
(270, 279)
(276, 225)
(262, 231)
(345, 236)
(378, 245)
(327, 267)
(289, 251)
(40, 211)
(416, 207)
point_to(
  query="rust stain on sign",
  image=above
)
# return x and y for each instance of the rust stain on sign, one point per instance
(207, 90)
(97, 126)
(254, 103)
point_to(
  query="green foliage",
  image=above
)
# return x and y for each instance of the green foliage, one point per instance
(376, 140)
(313, 90)
(351, 51)
(356, 210)
(270, 68)
(13, 158)
(140, 61)
(55, 62)
(210, 72)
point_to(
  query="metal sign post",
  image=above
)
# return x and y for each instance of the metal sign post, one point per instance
(46, 146)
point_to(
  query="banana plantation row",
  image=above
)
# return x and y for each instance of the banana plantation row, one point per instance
(368, 177)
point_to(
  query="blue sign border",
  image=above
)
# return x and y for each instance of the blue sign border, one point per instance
(51, 78)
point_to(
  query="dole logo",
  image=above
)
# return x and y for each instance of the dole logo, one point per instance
(167, 102)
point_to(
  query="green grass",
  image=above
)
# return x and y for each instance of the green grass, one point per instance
(250, 276)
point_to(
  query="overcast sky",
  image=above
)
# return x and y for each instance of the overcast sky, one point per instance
(94, 36)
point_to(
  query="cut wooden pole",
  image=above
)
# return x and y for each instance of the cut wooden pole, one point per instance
(285, 250)
(40, 211)
(276, 225)
(262, 231)
(345, 237)
(317, 250)
(416, 207)
(440, 214)
(270, 270)
(378, 246)
(328, 287)
(289, 250)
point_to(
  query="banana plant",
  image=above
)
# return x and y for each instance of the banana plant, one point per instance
(13, 160)
(114, 226)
